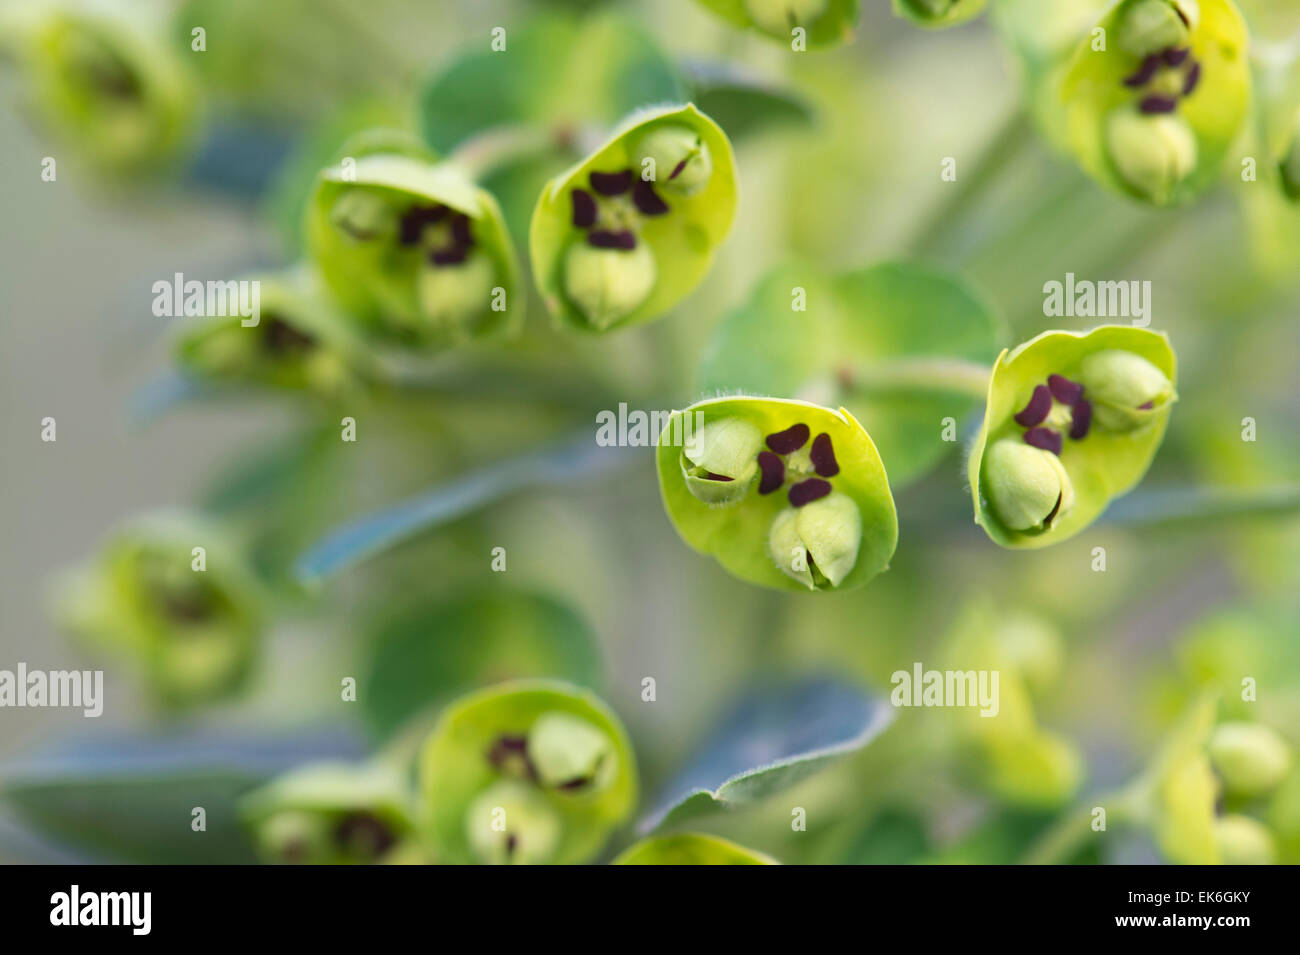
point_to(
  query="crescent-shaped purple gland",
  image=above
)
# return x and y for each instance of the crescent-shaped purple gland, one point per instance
(791, 439)
(805, 492)
(773, 472)
(1035, 412)
(822, 456)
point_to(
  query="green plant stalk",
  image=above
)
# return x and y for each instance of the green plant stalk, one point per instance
(1010, 140)
(924, 374)
(1068, 835)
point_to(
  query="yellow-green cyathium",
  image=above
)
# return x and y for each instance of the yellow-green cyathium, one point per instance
(104, 79)
(189, 620)
(528, 772)
(333, 814)
(1153, 107)
(628, 232)
(785, 494)
(1073, 419)
(299, 342)
(412, 247)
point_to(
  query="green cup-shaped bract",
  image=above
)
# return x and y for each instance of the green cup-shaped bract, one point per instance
(543, 761)
(690, 848)
(193, 634)
(413, 249)
(1103, 463)
(1250, 758)
(1242, 840)
(939, 13)
(110, 84)
(1154, 114)
(331, 814)
(300, 342)
(646, 246)
(826, 22)
(837, 541)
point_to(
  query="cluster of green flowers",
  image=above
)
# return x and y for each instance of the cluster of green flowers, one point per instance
(523, 773)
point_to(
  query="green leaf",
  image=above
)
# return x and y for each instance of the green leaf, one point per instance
(1169, 158)
(741, 534)
(530, 83)
(681, 243)
(888, 342)
(745, 104)
(1105, 463)
(430, 653)
(791, 732)
(369, 535)
(690, 848)
(461, 782)
(827, 22)
(130, 800)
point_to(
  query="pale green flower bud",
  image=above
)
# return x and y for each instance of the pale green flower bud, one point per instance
(1027, 486)
(1125, 389)
(511, 823)
(1151, 26)
(1242, 840)
(1151, 153)
(1252, 759)
(720, 461)
(363, 214)
(675, 157)
(817, 544)
(569, 753)
(608, 284)
(453, 295)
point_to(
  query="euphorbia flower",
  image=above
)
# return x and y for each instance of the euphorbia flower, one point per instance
(333, 814)
(412, 247)
(1155, 112)
(300, 342)
(1072, 420)
(783, 493)
(191, 629)
(533, 771)
(632, 229)
(109, 84)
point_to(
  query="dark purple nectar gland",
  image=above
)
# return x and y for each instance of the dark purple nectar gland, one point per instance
(612, 239)
(1044, 438)
(773, 469)
(1064, 390)
(1082, 420)
(612, 183)
(1157, 103)
(647, 200)
(791, 439)
(822, 456)
(1035, 412)
(584, 209)
(805, 492)
(363, 834)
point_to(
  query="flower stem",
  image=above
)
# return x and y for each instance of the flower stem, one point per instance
(1176, 504)
(489, 151)
(1064, 840)
(922, 374)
